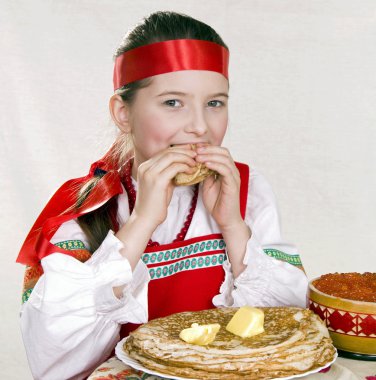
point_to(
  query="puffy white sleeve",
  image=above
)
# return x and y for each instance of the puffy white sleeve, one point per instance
(273, 274)
(71, 321)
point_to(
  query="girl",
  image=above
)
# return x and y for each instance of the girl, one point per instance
(124, 244)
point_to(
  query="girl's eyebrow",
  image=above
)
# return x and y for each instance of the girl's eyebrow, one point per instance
(224, 94)
(179, 93)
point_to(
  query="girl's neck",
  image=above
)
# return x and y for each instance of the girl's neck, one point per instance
(135, 165)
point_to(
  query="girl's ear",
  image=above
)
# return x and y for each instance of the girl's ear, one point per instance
(119, 111)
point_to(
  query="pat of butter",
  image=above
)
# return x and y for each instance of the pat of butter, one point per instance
(247, 321)
(201, 335)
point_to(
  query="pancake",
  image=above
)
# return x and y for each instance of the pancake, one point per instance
(201, 172)
(294, 341)
(184, 179)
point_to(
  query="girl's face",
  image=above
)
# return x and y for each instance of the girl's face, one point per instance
(182, 107)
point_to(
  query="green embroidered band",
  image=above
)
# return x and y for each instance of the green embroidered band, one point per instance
(187, 264)
(203, 247)
(279, 255)
(71, 244)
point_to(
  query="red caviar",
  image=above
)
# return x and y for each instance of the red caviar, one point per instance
(353, 286)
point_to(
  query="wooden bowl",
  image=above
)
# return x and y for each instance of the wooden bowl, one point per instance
(351, 324)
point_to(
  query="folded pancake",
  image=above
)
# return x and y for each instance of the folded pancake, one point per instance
(184, 179)
(295, 341)
(201, 172)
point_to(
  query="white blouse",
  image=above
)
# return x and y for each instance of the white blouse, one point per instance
(71, 322)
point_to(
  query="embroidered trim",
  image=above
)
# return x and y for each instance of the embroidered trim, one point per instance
(197, 248)
(187, 264)
(71, 244)
(26, 295)
(279, 255)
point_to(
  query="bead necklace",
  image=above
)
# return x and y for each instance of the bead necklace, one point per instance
(127, 182)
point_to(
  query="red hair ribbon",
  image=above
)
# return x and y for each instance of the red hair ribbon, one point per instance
(61, 208)
(168, 56)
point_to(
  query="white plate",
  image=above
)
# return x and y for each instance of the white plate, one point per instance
(123, 356)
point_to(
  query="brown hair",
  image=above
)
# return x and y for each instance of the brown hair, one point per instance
(159, 26)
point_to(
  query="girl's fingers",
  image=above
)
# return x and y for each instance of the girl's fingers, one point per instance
(213, 149)
(216, 153)
(181, 158)
(166, 157)
(220, 159)
(170, 172)
(161, 169)
(209, 182)
(215, 157)
(184, 149)
(170, 158)
(225, 171)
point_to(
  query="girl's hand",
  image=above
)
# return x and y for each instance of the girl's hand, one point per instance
(155, 187)
(221, 194)
(221, 198)
(153, 197)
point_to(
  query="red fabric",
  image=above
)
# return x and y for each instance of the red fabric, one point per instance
(60, 209)
(203, 285)
(244, 180)
(168, 56)
(190, 290)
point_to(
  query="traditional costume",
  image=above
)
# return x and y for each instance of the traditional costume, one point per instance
(71, 320)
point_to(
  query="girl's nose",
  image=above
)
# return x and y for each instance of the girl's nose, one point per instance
(197, 123)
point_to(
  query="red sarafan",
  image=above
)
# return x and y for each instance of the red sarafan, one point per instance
(353, 286)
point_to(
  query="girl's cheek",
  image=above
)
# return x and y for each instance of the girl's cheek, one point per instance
(219, 132)
(160, 131)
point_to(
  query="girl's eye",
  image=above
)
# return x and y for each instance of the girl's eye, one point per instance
(215, 103)
(173, 103)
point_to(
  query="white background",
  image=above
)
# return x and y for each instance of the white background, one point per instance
(302, 111)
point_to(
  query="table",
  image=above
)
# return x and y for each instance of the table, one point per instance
(342, 369)
(362, 369)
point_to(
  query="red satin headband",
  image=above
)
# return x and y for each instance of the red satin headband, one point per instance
(168, 56)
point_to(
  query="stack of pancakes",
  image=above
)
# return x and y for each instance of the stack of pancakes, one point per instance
(295, 341)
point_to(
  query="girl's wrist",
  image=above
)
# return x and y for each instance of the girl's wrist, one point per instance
(236, 237)
(134, 235)
(233, 227)
(147, 224)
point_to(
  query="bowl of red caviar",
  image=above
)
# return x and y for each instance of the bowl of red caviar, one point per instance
(346, 302)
